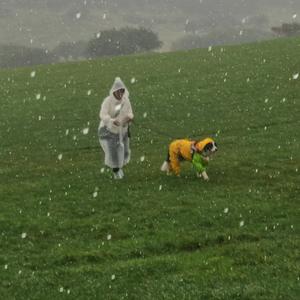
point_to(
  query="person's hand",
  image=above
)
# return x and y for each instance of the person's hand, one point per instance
(116, 122)
(127, 120)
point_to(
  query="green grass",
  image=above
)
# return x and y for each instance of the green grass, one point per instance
(171, 238)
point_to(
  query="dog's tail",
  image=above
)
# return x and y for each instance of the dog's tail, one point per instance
(165, 167)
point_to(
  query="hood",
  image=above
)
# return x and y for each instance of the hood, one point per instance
(201, 144)
(118, 84)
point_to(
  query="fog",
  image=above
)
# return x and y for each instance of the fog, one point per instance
(47, 23)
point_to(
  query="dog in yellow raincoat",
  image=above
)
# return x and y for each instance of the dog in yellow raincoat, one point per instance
(197, 152)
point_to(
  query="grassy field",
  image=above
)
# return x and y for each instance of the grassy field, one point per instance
(68, 231)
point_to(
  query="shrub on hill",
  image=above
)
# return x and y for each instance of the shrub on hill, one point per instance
(15, 56)
(124, 41)
(287, 29)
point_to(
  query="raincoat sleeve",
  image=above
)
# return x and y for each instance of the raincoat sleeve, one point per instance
(199, 163)
(104, 114)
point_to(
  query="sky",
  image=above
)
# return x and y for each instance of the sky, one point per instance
(47, 23)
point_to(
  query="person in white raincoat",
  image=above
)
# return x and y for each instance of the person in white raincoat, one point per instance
(115, 115)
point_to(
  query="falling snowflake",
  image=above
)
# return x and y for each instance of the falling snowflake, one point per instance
(61, 289)
(60, 156)
(145, 115)
(67, 131)
(38, 96)
(133, 80)
(242, 223)
(109, 237)
(98, 35)
(78, 15)
(85, 131)
(40, 118)
(160, 188)
(295, 76)
(95, 194)
(6, 267)
(89, 92)
(209, 48)
(24, 235)
(113, 277)
(142, 158)
(226, 210)
(104, 17)
(32, 74)
(102, 170)
(294, 16)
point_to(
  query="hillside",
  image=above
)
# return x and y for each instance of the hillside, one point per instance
(68, 231)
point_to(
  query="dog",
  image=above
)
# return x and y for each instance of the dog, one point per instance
(197, 152)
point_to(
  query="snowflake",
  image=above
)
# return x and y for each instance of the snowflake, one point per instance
(109, 237)
(38, 96)
(142, 158)
(85, 131)
(145, 115)
(295, 76)
(113, 277)
(242, 223)
(133, 80)
(60, 156)
(78, 15)
(32, 74)
(89, 92)
(95, 194)
(24, 235)
(226, 210)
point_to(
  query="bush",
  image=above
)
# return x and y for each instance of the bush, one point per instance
(287, 29)
(12, 56)
(122, 42)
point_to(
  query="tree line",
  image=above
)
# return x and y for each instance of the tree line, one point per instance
(112, 42)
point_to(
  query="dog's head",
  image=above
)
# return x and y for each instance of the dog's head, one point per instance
(207, 146)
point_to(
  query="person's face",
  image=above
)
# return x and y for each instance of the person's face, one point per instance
(119, 94)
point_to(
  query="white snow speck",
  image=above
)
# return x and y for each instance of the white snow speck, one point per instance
(40, 118)
(89, 92)
(113, 277)
(67, 131)
(32, 74)
(61, 289)
(142, 158)
(78, 15)
(133, 80)
(60, 156)
(38, 96)
(109, 237)
(294, 16)
(242, 223)
(209, 48)
(295, 76)
(85, 131)
(160, 188)
(6, 267)
(95, 194)
(102, 170)
(98, 35)
(24, 235)
(145, 115)
(226, 210)
(104, 16)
